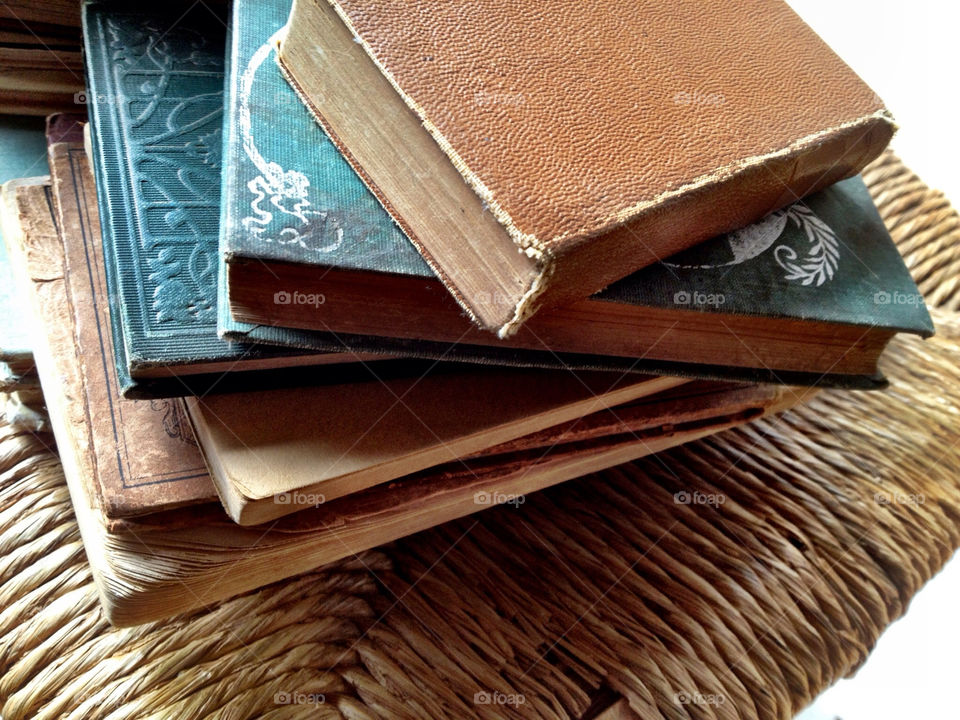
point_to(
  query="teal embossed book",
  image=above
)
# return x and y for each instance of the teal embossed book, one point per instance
(156, 109)
(308, 251)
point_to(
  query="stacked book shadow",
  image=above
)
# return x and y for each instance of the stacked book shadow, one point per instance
(272, 333)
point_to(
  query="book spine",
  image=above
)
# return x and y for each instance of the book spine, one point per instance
(104, 125)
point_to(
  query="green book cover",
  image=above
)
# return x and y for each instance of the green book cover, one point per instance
(288, 192)
(155, 102)
(289, 196)
(827, 258)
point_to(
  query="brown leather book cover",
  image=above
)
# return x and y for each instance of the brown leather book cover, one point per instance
(594, 137)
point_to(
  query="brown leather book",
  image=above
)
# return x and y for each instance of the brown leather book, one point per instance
(536, 154)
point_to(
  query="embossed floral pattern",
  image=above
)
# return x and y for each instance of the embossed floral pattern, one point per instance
(169, 84)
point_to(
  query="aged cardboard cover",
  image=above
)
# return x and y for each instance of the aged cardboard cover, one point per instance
(144, 451)
(273, 453)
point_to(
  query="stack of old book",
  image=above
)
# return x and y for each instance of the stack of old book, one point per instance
(358, 268)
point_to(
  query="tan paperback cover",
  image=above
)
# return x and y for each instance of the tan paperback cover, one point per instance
(275, 452)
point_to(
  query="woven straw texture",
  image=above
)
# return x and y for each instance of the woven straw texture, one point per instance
(735, 577)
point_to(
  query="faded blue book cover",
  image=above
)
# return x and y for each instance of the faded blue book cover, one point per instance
(155, 103)
(827, 258)
(288, 192)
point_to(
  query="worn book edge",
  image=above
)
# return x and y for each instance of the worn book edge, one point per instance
(509, 273)
(542, 250)
(75, 456)
(532, 290)
(251, 499)
(121, 488)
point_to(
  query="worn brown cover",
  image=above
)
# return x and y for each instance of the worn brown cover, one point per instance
(682, 409)
(144, 451)
(607, 134)
(274, 452)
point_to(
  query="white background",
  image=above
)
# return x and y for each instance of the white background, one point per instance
(909, 52)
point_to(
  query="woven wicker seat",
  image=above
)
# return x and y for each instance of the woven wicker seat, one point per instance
(814, 531)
